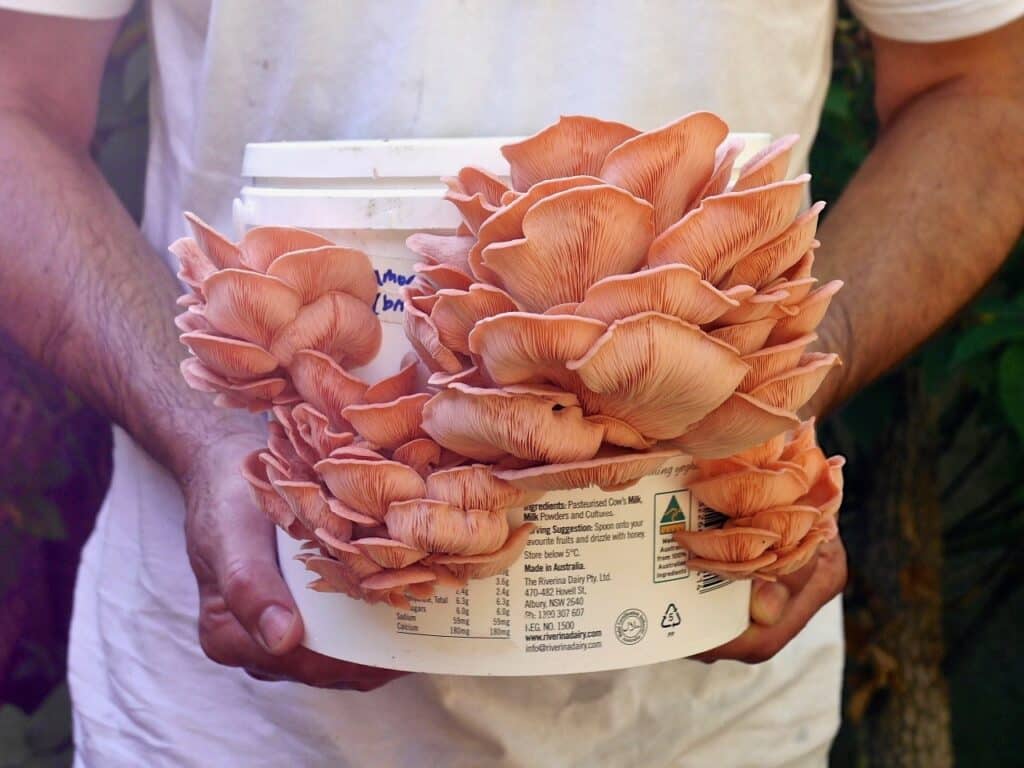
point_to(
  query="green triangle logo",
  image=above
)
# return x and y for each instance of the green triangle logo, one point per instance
(673, 512)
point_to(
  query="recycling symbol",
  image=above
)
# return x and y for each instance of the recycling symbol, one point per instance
(671, 617)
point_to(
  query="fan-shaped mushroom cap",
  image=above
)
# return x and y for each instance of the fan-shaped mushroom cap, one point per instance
(221, 252)
(518, 347)
(761, 454)
(478, 181)
(422, 334)
(767, 166)
(474, 208)
(370, 486)
(325, 385)
(810, 313)
(574, 146)
(471, 376)
(356, 518)
(337, 324)
(397, 385)
(729, 570)
(267, 499)
(256, 395)
(443, 276)
(389, 424)
(618, 432)
(388, 553)
(507, 223)
(474, 486)
(194, 266)
(571, 240)
(313, 428)
(671, 289)
(741, 494)
(669, 166)
(771, 260)
(731, 545)
(769, 362)
(487, 565)
(335, 575)
(422, 454)
(261, 246)
(393, 579)
(745, 337)
(827, 492)
(229, 357)
(792, 523)
(756, 307)
(487, 424)
(437, 526)
(249, 305)
(797, 557)
(609, 471)
(442, 249)
(791, 389)
(316, 271)
(723, 229)
(659, 374)
(456, 312)
(310, 508)
(725, 159)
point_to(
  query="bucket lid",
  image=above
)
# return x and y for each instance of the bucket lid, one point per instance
(373, 159)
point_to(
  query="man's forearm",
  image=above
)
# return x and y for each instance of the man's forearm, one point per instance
(83, 292)
(923, 225)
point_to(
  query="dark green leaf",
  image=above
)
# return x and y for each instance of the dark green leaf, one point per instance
(1011, 386)
(980, 339)
(14, 750)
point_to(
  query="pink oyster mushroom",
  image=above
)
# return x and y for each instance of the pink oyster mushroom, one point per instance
(274, 323)
(619, 302)
(781, 499)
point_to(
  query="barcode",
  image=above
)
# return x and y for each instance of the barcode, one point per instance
(709, 518)
(709, 581)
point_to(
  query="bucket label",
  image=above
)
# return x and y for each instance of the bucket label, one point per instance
(602, 584)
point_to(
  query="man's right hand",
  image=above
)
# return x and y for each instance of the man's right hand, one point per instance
(247, 617)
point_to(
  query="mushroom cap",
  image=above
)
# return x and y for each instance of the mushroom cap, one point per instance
(571, 240)
(388, 553)
(249, 305)
(668, 166)
(488, 424)
(671, 289)
(768, 165)
(658, 373)
(422, 454)
(518, 347)
(437, 526)
(391, 424)
(456, 312)
(574, 146)
(316, 271)
(771, 260)
(336, 323)
(742, 493)
(370, 487)
(324, 384)
(791, 389)
(792, 523)
(261, 246)
(745, 337)
(490, 564)
(713, 237)
(732, 545)
(474, 486)
(769, 362)
(810, 312)
(230, 358)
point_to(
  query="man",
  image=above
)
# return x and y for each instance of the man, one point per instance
(925, 223)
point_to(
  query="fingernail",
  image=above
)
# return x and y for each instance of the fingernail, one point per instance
(767, 602)
(274, 624)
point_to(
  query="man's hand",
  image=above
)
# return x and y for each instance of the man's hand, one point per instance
(247, 617)
(780, 609)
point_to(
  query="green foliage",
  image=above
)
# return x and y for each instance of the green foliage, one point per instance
(39, 740)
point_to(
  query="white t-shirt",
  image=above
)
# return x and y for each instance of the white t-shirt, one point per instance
(227, 72)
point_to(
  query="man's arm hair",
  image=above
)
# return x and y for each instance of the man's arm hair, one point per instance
(80, 289)
(935, 208)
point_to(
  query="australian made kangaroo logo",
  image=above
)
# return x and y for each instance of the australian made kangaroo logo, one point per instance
(672, 517)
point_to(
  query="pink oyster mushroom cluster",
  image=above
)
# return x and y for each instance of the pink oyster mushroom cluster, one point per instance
(782, 499)
(274, 322)
(619, 303)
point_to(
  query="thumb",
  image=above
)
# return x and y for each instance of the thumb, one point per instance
(254, 591)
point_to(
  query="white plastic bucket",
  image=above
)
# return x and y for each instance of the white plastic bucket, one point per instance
(602, 584)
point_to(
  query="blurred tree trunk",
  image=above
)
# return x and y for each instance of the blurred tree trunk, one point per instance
(904, 699)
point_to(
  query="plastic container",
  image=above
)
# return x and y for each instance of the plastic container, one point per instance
(602, 584)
